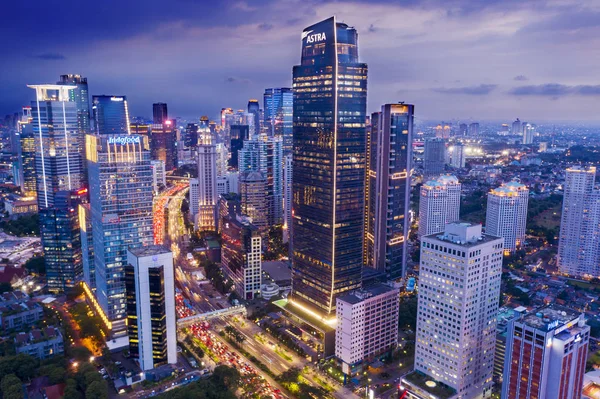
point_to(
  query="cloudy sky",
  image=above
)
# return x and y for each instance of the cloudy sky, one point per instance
(481, 59)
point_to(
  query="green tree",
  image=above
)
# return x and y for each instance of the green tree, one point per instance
(71, 391)
(36, 265)
(97, 390)
(227, 376)
(56, 374)
(12, 387)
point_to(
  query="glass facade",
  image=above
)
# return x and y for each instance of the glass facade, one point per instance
(278, 110)
(163, 144)
(111, 115)
(387, 191)
(330, 97)
(120, 174)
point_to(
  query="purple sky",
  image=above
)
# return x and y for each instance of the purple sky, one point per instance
(481, 59)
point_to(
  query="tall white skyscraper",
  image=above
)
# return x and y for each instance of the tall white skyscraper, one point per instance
(579, 240)
(439, 204)
(507, 213)
(456, 321)
(222, 158)
(207, 184)
(458, 156)
(528, 131)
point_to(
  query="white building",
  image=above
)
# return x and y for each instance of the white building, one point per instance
(579, 239)
(458, 156)
(459, 290)
(507, 213)
(439, 204)
(222, 159)
(207, 185)
(159, 177)
(228, 183)
(194, 200)
(528, 133)
(151, 324)
(287, 198)
(367, 325)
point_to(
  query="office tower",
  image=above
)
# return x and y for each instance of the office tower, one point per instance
(194, 197)
(434, 157)
(207, 185)
(387, 199)
(287, 199)
(516, 127)
(222, 159)
(458, 156)
(459, 292)
(254, 109)
(140, 128)
(191, 135)
(159, 113)
(278, 119)
(462, 129)
(579, 239)
(528, 132)
(474, 129)
(439, 204)
(238, 134)
(253, 194)
(507, 214)
(505, 316)
(367, 325)
(241, 255)
(61, 241)
(229, 205)
(228, 183)
(111, 115)
(26, 154)
(329, 173)
(58, 159)
(120, 174)
(163, 144)
(159, 176)
(151, 317)
(265, 154)
(546, 353)
(87, 245)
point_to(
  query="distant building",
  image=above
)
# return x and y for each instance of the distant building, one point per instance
(439, 204)
(228, 183)
(26, 154)
(253, 193)
(473, 129)
(111, 115)
(434, 157)
(159, 113)
(458, 156)
(194, 200)
(163, 144)
(278, 121)
(238, 134)
(18, 312)
(18, 206)
(546, 352)
(151, 316)
(463, 129)
(40, 343)
(516, 127)
(367, 325)
(528, 132)
(507, 214)
(254, 109)
(159, 176)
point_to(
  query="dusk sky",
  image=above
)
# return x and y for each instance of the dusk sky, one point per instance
(480, 59)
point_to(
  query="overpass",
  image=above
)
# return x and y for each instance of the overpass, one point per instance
(187, 321)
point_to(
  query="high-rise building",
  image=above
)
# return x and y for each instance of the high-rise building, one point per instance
(254, 109)
(579, 239)
(434, 157)
(61, 241)
(159, 113)
(207, 185)
(367, 325)
(111, 115)
(228, 183)
(329, 172)
(241, 255)
(459, 292)
(253, 194)
(462, 129)
(159, 176)
(439, 204)
(163, 144)
(278, 109)
(507, 214)
(473, 129)
(58, 159)
(238, 134)
(528, 132)
(191, 135)
(458, 156)
(546, 352)
(151, 316)
(222, 159)
(120, 173)
(79, 95)
(389, 160)
(505, 316)
(516, 127)
(194, 200)
(26, 154)
(87, 246)
(287, 199)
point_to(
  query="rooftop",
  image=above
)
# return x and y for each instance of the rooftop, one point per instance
(149, 250)
(423, 383)
(278, 270)
(464, 234)
(550, 317)
(441, 181)
(365, 293)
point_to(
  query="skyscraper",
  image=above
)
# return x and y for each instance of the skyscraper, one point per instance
(159, 113)
(58, 161)
(207, 185)
(507, 214)
(287, 199)
(579, 239)
(458, 156)
(151, 316)
(439, 204)
(473, 129)
(254, 109)
(387, 199)
(528, 132)
(163, 144)
(191, 135)
(516, 127)
(120, 173)
(253, 194)
(330, 93)
(238, 134)
(278, 108)
(434, 157)
(456, 317)
(111, 115)
(546, 352)
(26, 154)
(463, 129)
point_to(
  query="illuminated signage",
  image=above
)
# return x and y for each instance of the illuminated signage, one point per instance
(122, 140)
(313, 37)
(116, 99)
(552, 325)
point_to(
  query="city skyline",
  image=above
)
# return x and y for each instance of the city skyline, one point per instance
(480, 64)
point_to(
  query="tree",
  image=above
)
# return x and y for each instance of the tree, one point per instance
(12, 387)
(36, 265)
(97, 390)
(80, 353)
(227, 376)
(56, 374)
(71, 391)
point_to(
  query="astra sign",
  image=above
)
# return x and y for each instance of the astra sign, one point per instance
(313, 37)
(122, 140)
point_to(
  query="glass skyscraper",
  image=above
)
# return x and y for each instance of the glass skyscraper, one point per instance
(254, 109)
(111, 115)
(159, 113)
(120, 175)
(278, 109)
(387, 191)
(330, 99)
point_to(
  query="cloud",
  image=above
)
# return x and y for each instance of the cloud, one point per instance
(481, 90)
(555, 90)
(50, 56)
(233, 79)
(521, 78)
(265, 26)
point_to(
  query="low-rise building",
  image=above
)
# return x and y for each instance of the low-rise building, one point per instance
(18, 312)
(17, 206)
(42, 344)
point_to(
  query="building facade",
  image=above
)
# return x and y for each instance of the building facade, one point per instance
(458, 156)
(111, 115)
(434, 157)
(439, 204)
(507, 214)
(253, 194)
(163, 144)
(160, 113)
(278, 115)
(287, 199)
(207, 185)
(330, 93)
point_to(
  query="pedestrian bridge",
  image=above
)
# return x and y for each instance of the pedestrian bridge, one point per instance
(187, 321)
